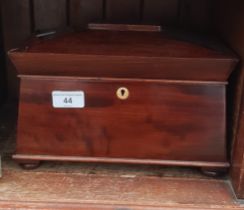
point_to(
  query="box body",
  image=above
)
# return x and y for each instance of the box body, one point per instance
(174, 112)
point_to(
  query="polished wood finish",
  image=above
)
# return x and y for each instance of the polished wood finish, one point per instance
(130, 53)
(210, 167)
(103, 66)
(143, 126)
(123, 27)
(165, 120)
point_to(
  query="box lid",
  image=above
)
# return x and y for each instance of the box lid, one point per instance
(126, 54)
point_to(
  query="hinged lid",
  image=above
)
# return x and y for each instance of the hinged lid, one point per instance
(125, 54)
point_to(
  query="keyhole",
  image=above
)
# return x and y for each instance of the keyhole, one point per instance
(122, 93)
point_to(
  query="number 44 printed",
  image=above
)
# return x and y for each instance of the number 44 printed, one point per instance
(68, 99)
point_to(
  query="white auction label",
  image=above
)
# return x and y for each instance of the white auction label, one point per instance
(68, 99)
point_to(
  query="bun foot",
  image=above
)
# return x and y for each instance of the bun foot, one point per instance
(214, 172)
(30, 165)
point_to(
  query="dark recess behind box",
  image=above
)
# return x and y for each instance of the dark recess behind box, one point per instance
(3, 81)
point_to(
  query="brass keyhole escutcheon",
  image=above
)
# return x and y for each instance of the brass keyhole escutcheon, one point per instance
(122, 93)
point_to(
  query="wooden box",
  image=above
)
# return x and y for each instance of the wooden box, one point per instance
(123, 96)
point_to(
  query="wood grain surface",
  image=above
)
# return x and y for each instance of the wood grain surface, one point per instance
(174, 124)
(52, 190)
(125, 55)
(82, 186)
(174, 87)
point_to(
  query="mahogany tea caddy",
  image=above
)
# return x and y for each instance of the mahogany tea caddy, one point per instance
(141, 95)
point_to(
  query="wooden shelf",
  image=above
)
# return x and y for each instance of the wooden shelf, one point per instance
(89, 186)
